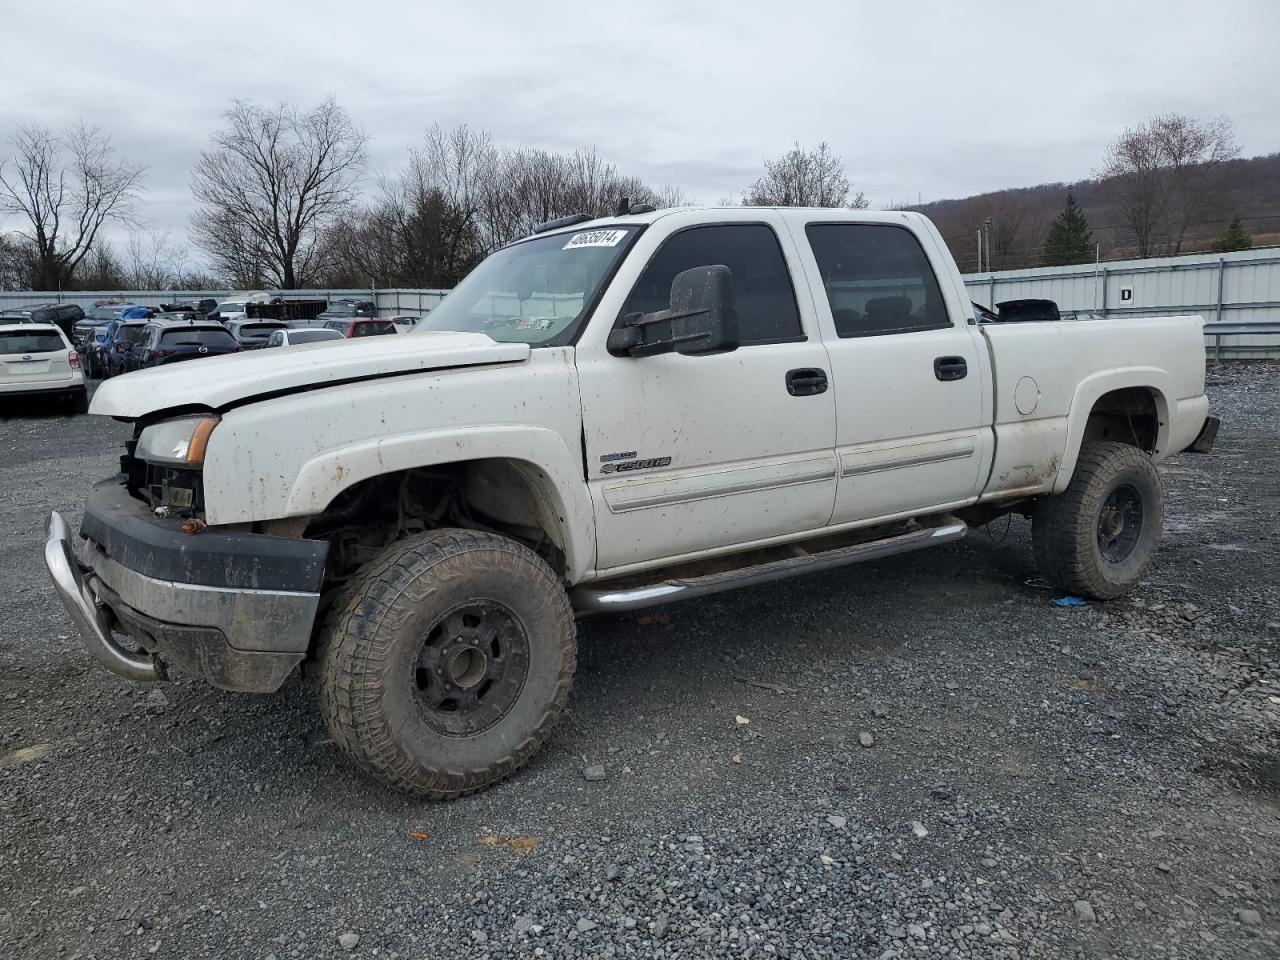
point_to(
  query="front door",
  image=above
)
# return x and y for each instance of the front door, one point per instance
(691, 453)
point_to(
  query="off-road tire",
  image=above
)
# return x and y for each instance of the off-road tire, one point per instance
(1065, 528)
(374, 639)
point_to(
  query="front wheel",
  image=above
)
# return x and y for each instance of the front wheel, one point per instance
(1097, 537)
(447, 662)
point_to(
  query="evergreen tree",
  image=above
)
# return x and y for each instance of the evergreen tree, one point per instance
(1069, 240)
(1234, 239)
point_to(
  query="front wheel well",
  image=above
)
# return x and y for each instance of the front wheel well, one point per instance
(510, 497)
(1130, 415)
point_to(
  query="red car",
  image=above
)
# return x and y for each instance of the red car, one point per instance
(361, 326)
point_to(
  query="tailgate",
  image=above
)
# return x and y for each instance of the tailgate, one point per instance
(18, 368)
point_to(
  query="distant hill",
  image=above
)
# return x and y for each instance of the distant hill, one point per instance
(1020, 217)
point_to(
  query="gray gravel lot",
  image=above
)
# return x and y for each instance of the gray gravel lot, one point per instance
(1097, 781)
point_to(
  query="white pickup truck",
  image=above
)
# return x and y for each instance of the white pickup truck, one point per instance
(604, 416)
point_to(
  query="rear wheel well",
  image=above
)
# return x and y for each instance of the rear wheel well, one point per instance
(1130, 415)
(513, 498)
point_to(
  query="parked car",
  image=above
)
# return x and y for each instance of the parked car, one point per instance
(84, 328)
(37, 360)
(93, 353)
(200, 309)
(116, 354)
(294, 335)
(361, 328)
(235, 308)
(252, 334)
(406, 322)
(64, 316)
(172, 341)
(349, 307)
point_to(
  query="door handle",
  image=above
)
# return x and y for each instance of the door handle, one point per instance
(950, 368)
(806, 382)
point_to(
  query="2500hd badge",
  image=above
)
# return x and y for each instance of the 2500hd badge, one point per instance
(636, 465)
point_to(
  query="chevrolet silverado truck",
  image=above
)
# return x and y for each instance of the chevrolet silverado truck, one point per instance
(603, 416)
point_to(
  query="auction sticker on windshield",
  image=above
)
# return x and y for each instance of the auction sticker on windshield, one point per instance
(595, 238)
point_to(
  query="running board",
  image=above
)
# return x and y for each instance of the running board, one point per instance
(602, 598)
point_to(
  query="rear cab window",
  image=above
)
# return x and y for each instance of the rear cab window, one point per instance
(877, 279)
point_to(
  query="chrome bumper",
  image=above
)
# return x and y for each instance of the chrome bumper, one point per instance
(91, 619)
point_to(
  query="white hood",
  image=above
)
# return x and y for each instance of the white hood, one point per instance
(216, 382)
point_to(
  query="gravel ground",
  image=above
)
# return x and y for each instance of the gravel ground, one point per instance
(939, 762)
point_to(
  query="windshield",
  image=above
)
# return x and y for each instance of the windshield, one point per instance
(130, 334)
(231, 306)
(536, 291)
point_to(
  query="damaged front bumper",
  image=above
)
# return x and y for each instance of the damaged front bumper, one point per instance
(234, 609)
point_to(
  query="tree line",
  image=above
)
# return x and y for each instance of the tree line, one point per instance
(1162, 189)
(285, 200)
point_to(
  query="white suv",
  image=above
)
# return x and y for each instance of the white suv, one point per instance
(37, 359)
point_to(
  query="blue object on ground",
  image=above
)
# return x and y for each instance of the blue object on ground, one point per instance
(1071, 602)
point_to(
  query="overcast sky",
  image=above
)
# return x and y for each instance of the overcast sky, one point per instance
(920, 98)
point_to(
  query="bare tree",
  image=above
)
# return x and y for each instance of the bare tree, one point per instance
(15, 263)
(803, 178)
(65, 187)
(460, 198)
(1162, 174)
(154, 262)
(273, 180)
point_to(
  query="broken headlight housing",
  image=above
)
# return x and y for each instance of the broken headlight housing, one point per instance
(178, 443)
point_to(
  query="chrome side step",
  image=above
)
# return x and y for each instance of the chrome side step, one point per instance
(600, 599)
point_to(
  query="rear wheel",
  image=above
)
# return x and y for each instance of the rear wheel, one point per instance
(447, 663)
(79, 403)
(1097, 537)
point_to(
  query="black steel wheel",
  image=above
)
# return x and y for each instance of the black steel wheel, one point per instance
(447, 662)
(1097, 537)
(471, 668)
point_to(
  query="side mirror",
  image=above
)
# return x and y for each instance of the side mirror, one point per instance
(703, 318)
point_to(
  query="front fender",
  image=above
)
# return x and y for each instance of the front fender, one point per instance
(326, 475)
(1091, 389)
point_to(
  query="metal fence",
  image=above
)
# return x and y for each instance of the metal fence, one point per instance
(1240, 291)
(390, 302)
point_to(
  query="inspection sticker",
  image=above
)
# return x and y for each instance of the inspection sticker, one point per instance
(595, 238)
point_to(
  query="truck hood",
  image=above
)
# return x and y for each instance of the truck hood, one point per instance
(219, 382)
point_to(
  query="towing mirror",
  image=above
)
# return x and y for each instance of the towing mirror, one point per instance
(703, 318)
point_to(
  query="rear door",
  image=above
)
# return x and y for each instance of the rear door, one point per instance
(686, 454)
(907, 369)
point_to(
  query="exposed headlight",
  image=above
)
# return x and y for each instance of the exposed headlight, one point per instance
(179, 442)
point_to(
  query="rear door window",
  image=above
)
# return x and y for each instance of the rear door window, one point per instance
(35, 341)
(877, 279)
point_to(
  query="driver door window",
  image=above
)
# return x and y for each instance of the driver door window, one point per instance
(766, 302)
